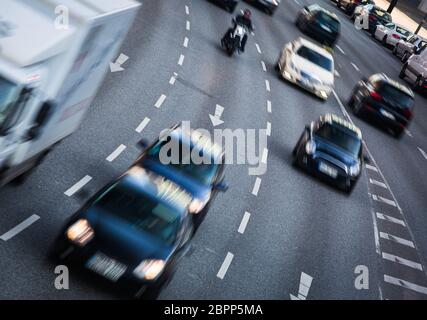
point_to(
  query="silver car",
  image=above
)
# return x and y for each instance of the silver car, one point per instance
(413, 44)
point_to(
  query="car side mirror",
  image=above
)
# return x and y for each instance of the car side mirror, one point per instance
(142, 144)
(221, 186)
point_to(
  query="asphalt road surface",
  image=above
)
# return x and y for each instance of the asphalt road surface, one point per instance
(296, 224)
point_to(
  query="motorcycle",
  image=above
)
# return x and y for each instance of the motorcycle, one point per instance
(232, 40)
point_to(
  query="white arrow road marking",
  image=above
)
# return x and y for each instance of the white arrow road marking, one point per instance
(244, 222)
(113, 156)
(225, 265)
(423, 153)
(405, 284)
(142, 125)
(216, 119)
(117, 66)
(70, 192)
(304, 287)
(20, 227)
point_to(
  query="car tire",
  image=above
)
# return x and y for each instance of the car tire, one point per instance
(350, 102)
(395, 50)
(349, 189)
(405, 57)
(384, 41)
(402, 73)
(417, 84)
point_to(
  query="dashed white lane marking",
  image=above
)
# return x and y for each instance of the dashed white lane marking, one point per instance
(403, 261)
(172, 80)
(268, 131)
(354, 66)
(267, 85)
(390, 219)
(244, 222)
(113, 156)
(423, 153)
(405, 284)
(368, 166)
(396, 239)
(297, 2)
(20, 227)
(268, 106)
(142, 125)
(336, 73)
(70, 192)
(160, 101)
(384, 200)
(304, 287)
(264, 68)
(185, 43)
(187, 25)
(181, 60)
(378, 183)
(258, 48)
(264, 156)
(187, 10)
(256, 186)
(225, 265)
(409, 133)
(340, 49)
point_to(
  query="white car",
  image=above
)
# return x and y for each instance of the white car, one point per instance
(361, 9)
(308, 65)
(391, 33)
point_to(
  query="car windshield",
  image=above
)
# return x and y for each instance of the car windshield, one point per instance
(403, 31)
(127, 201)
(326, 19)
(203, 172)
(382, 14)
(339, 137)
(8, 95)
(395, 96)
(315, 58)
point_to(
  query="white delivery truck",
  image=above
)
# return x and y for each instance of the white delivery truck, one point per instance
(54, 55)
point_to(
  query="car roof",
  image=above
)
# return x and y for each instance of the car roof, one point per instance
(315, 47)
(383, 77)
(316, 7)
(341, 122)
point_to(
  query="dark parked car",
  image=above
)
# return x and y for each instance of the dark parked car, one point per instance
(349, 5)
(131, 234)
(320, 24)
(229, 5)
(384, 100)
(331, 148)
(268, 6)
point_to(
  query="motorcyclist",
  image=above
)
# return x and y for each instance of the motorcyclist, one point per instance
(245, 20)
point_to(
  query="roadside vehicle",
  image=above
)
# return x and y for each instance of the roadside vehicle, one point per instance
(269, 6)
(349, 5)
(50, 75)
(405, 48)
(331, 148)
(384, 100)
(376, 16)
(308, 65)
(320, 24)
(390, 34)
(415, 69)
(229, 5)
(201, 180)
(232, 41)
(361, 9)
(131, 234)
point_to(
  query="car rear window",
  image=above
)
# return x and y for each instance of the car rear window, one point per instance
(329, 21)
(381, 13)
(403, 31)
(340, 137)
(315, 57)
(395, 96)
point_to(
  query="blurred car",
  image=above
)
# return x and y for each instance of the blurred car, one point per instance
(269, 6)
(202, 180)
(131, 234)
(308, 65)
(361, 9)
(350, 5)
(376, 16)
(229, 5)
(320, 24)
(405, 48)
(331, 148)
(416, 70)
(384, 100)
(390, 34)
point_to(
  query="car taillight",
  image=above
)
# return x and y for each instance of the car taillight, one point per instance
(376, 96)
(396, 36)
(407, 113)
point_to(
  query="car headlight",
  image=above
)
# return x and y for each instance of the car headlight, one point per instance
(197, 205)
(310, 147)
(149, 269)
(80, 232)
(354, 170)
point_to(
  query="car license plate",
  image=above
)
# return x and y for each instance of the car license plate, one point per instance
(106, 266)
(332, 172)
(387, 114)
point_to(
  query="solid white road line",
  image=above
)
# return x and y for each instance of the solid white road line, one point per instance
(384, 200)
(225, 265)
(368, 166)
(142, 125)
(256, 186)
(185, 43)
(390, 219)
(160, 101)
(339, 48)
(70, 192)
(396, 239)
(264, 156)
(187, 10)
(187, 25)
(354, 66)
(400, 260)
(244, 222)
(258, 48)
(268, 131)
(378, 183)
(20, 227)
(405, 284)
(267, 85)
(264, 68)
(268, 106)
(423, 153)
(113, 156)
(181, 60)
